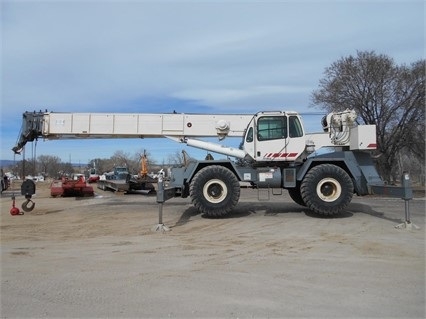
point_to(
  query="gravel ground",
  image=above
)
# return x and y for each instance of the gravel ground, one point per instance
(99, 257)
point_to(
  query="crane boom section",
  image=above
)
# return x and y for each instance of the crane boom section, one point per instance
(50, 125)
(62, 125)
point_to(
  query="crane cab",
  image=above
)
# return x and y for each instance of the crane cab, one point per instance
(275, 137)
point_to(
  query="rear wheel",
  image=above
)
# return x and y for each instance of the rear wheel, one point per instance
(215, 190)
(327, 189)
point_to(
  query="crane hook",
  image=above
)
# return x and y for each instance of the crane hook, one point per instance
(28, 189)
(27, 208)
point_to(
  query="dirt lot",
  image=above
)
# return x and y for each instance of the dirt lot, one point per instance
(99, 258)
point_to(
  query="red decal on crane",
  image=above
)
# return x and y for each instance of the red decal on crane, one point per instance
(282, 155)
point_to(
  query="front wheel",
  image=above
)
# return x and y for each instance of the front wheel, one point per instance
(296, 196)
(215, 191)
(327, 189)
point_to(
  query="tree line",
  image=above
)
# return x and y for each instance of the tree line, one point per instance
(54, 167)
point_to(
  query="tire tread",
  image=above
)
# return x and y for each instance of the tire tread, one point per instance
(196, 191)
(309, 184)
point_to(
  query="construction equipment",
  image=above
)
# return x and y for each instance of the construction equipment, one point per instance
(144, 165)
(92, 175)
(4, 181)
(120, 180)
(74, 186)
(321, 171)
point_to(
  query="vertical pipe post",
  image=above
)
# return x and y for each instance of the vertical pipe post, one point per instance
(407, 196)
(160, 214)
(407, 212)
(160, 200)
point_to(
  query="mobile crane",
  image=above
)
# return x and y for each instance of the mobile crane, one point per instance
(275, 153)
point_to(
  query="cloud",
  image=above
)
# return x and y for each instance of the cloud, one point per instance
(84, 54)
(195, 56)
(243, 98)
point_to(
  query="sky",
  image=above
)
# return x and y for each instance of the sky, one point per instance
(187, 56)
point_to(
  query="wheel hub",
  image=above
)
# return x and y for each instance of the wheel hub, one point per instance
(329, 189)
(215, 190)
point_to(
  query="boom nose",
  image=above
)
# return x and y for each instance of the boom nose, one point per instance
(17, 150)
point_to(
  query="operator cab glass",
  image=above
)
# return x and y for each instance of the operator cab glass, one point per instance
(249, 135)
(295, 127)
(278, 127)
(271, 128)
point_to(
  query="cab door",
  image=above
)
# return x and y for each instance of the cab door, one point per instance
(278, 138)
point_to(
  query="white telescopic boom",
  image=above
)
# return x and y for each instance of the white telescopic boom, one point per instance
(49, 125)
(98, 125)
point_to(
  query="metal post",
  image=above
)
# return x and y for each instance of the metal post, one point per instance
(160, 214)
(407, 195)
(407, 211)
(160, 200)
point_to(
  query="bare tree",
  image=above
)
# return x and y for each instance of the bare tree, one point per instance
(65, 169)
(49, 165)
(175, 159)
(390, 96)
(119, 158)
(25, 167)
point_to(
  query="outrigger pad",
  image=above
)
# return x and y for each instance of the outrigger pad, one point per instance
(160, 228)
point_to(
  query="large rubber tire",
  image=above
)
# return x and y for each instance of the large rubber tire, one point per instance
(214, 191)
(327, 189)
(296, 196)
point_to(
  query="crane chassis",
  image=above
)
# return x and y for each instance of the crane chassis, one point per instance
(321, 171)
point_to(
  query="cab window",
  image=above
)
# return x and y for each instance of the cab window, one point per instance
(249, 136)
(295, 128)
(271, 128)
